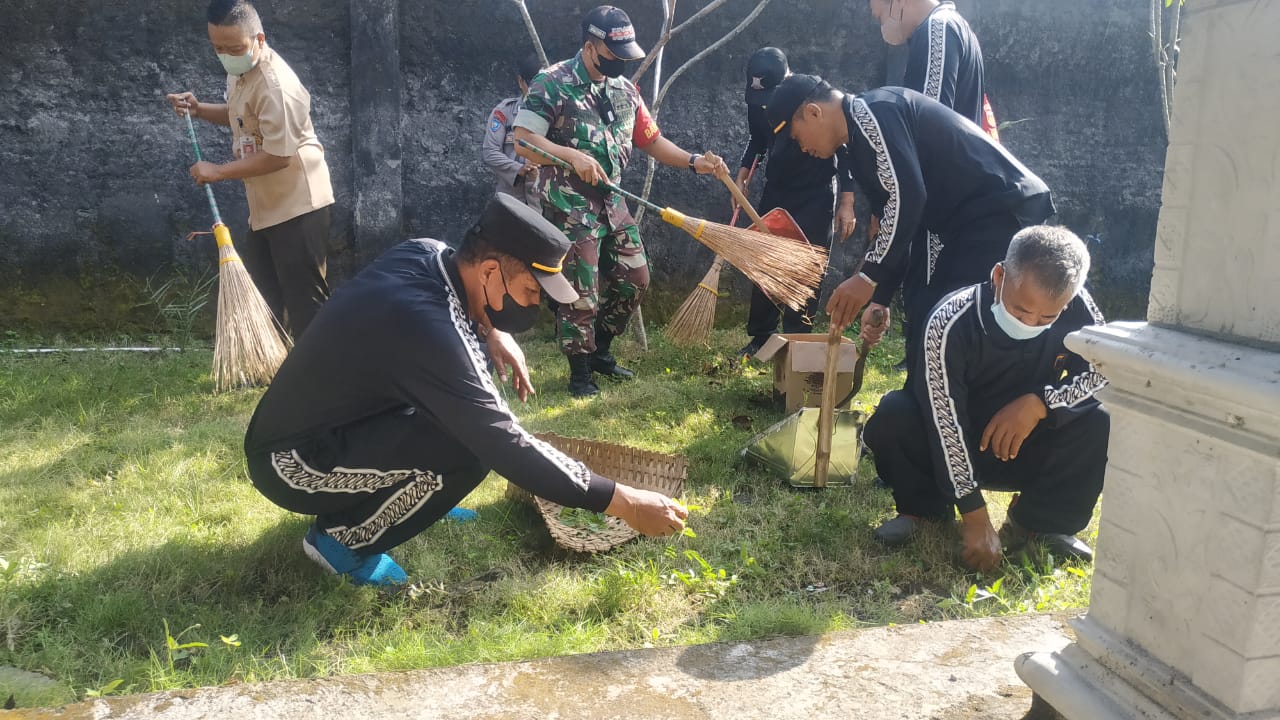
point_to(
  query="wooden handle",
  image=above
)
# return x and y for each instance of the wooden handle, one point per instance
(826, 412)
(744, 203)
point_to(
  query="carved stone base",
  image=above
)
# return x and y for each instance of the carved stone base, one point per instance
(1101, 677)
(1184, 616)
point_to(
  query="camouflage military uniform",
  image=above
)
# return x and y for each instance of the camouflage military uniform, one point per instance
(606, 263)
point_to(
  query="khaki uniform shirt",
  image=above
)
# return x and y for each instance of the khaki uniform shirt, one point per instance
(270, 111)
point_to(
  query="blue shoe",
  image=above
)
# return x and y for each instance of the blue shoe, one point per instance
(461, 515)
(339, 559)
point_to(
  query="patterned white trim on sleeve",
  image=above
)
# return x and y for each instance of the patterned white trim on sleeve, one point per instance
(870, 129)
(942, 406)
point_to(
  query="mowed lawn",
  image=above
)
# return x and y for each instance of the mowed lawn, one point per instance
(135, 555)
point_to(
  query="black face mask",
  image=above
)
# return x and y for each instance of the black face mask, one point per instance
(513, 317)
(609, 68)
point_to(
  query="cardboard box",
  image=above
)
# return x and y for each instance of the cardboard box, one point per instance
(798, 364)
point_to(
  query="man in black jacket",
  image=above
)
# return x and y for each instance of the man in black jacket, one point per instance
(1002, 404)
(384, 416)
(944, 59)
(801, 184)
(944, 62)
(922, 167)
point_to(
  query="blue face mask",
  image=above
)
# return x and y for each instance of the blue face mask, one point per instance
(239, 64)
(1012, 326)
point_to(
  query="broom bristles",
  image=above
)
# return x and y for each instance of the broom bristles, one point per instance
(692, 323)
(788, 271)
(250, 344)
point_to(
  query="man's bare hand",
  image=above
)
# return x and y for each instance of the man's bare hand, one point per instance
(1011, 426)
(587, 168)
(205, 172)
(183, 103)
(743, 181)
(509, 361)
(872, 333)
(846, 221)
(848, 298)
(647, 512)
(981, 543)
(711, 164)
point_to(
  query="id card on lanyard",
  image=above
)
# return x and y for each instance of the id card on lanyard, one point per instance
(248, 143)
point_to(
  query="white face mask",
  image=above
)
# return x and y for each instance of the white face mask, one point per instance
(239, 64)
(1012, 326)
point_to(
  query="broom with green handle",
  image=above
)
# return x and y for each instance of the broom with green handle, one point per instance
(249, 344)
(788, 272)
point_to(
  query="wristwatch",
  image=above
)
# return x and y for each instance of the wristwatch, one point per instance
(693, 158)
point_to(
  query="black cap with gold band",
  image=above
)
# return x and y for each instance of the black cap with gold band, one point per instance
(521, 232)
(788, 96)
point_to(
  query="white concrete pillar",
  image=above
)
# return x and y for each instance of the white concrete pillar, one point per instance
(1184, 619)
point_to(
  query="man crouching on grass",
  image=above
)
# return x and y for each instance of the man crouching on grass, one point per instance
(1004, 405)
(385, 416)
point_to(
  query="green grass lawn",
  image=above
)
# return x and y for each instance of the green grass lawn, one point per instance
(129, 529)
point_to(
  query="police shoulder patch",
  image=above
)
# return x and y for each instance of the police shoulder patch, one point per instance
(495, 125)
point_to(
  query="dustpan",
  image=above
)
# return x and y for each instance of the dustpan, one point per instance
(789, 449)
(638, 468)
(818, 447)
(780, 223)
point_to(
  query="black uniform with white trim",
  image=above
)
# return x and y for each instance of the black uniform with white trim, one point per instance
(804, 186)
(384, 416)
(944, 62)
(926, 438)
(928, 170)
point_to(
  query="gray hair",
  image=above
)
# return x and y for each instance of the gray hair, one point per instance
(226, 13)
(1053, 257)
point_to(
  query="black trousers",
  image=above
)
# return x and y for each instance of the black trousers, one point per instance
(287, 263)
(1058, 471)
(372, 484)
(813, 211)
(965, 258)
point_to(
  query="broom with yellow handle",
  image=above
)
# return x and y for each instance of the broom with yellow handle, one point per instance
(788, 272)
(692, 323)
(249, 344)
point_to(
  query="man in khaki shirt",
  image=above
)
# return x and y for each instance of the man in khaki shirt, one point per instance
(279, 159)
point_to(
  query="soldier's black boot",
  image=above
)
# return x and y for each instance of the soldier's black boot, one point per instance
(581, 383)
(603, 361)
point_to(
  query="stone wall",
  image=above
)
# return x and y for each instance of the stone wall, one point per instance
(93, 178)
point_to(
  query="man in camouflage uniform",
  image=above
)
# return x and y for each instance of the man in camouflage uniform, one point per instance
(584, 112)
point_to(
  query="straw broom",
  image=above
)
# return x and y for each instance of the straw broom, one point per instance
(692, 323)
(788, 272)
(249, 344)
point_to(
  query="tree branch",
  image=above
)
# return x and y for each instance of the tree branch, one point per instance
(668, 33)
(657, 101)
(1157, 48)
(533, 32)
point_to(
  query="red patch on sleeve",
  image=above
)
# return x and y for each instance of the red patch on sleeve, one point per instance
(501, 117)
(645, 130)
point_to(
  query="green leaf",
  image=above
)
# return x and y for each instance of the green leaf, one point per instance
(1077, 571)
(688, 532)
(995, 586)
(969, 596)
(233, 641)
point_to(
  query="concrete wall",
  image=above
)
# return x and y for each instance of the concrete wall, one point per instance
(93, 166)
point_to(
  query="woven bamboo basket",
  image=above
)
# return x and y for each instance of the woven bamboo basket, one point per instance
(630, 466)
